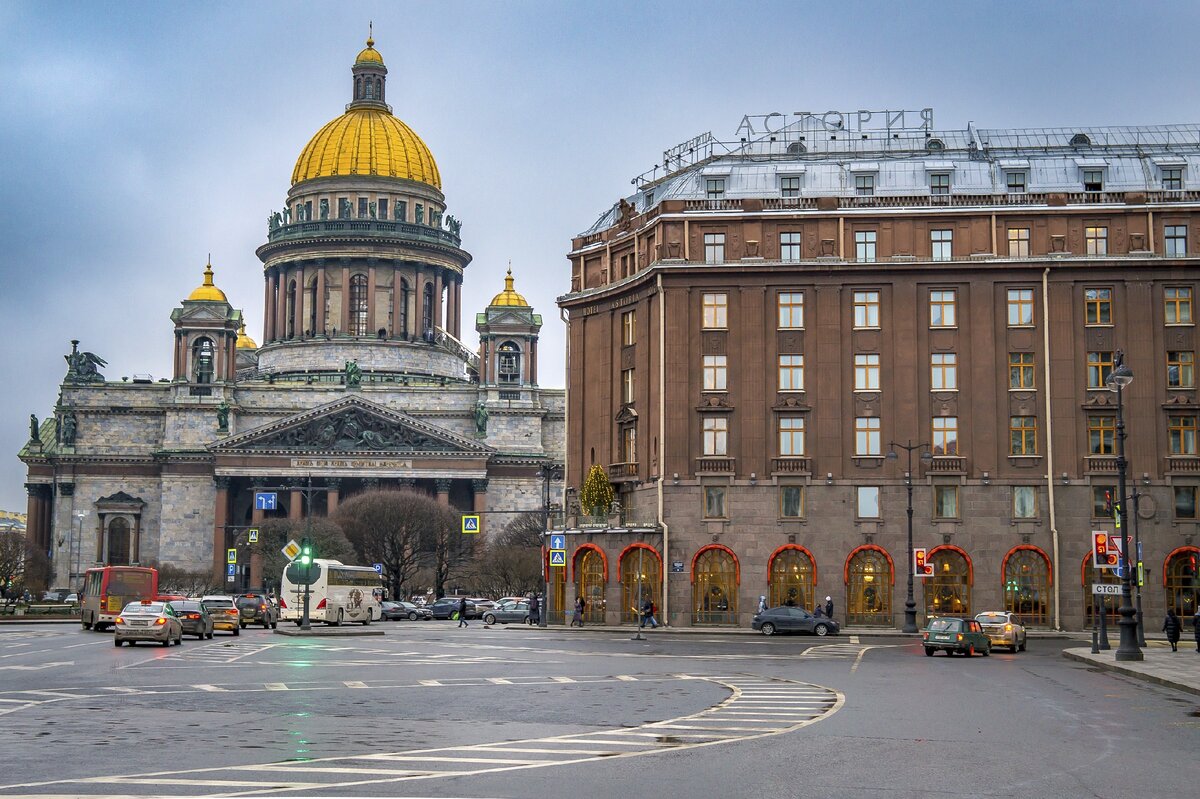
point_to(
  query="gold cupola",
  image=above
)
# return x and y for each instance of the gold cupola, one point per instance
(244, 342)
(509, 296)
(208, 291)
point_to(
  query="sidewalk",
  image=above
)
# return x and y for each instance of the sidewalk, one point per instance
(1179, 670)
(863, 632)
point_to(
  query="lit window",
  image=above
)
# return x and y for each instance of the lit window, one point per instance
(1185, 502)
(866, 436)
(791, 436)
(629, 328)
(789, 186)
(714, 248)
(943, 371)
(1181, 369)
(629, 445)
(1172, 178)
(1101, 497)
(939, 183)
(716, 435)
(1022, 435)
(1024, 502)
(714, 373)
(1175, 237)
(1020, 370)
(1101, 435)
(945, 502)
(791, 310)
(1016, 182)
(867, 502)
(864, 245)
(1096, 240)
(945, 435)
(715, 307)
(1097, 306)
(1178, 301)
(866, 309)
(1093, 180)
(714, 188)
(1018, 242)
(866, 372)
(791, 502)
(864, 185)
(941, 244)
(627, 386)
(714, 502)
(1099, 367)
(1181, 435)
(1020, 307)
(791, 372)
(942, 306)
(789, 247)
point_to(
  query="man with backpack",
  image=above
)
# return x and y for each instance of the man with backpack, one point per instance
(647, 616)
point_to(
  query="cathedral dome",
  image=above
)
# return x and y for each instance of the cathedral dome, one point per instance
(509, 296)
(208, 290)
(244, 342)
(369, 55)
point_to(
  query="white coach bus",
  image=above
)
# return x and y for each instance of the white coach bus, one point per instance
(339, 593)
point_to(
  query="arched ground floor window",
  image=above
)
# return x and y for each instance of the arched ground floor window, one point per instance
(1027, 583)
(1179, 580)
(714, 586)
(948, 589)
(590, 578)
(791, 578)
(641, 579)
(869, 581)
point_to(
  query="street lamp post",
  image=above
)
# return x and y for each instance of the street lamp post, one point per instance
(1137, 564)
(73, 547)
(548, 472)
(1117, 379)
(910, 604)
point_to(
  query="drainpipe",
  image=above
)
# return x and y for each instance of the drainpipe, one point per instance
(562, 499)
(662, 448)
(1050, 449)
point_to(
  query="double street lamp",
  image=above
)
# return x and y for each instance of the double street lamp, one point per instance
(910, 604)
(1117, 379)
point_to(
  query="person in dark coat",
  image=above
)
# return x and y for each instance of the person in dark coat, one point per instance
(1171, 627)
(1196, 628)
(535, 610)
(829, 606)
(462, 612)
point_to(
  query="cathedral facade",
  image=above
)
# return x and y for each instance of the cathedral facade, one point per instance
(361, 380)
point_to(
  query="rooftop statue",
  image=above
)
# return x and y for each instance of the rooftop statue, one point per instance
(82, 366)
(67, 430)
(33, 427)
(481, 420)
(353, 373)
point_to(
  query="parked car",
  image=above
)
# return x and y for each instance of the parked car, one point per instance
(1003, 629)
(447, 606)
(394, 611)
(147, 620)
(224, 613)
(786, 619)
(194, 617)
(508, 612)
(256, 609)
(72, 599)
(952, 634)
(481, 604)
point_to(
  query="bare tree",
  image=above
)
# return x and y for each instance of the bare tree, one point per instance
(174, 580)
(509, 562)
(389, 527)
(446, 550)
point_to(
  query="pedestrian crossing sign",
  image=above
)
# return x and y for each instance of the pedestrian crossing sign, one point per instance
(558, 558)
(252, 535)
(470, 524)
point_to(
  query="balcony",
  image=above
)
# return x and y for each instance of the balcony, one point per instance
(948, 464)
(714, 465)
(619, 472)
(1183, 463)
(1101, 465)
(791, 465)
(363, 227)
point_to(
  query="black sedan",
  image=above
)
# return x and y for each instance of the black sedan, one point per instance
(784, 619)
(395, 611)
(194, 617)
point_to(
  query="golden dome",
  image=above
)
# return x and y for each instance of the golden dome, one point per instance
(244, 342)
(370, 55)
(207, 290)
(367, 141)
(508, 296)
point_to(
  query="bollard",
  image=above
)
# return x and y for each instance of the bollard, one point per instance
(1095, 643)
(1104, 628)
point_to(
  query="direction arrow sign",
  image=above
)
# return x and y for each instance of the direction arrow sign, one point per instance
(558, 541)
(470, 524)
(265, 500)
(558, 558)
(291, 550)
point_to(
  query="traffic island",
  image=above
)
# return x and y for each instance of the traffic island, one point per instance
(1179, 670)
(328, 632)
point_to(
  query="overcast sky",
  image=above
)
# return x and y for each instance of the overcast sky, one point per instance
(135, 138)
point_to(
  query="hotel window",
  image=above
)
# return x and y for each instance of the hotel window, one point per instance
(627, 386)
(864, 245)
(941, 244)
(1096, 240)
(1022, 435)
(1185, 502)
(1093, 180)
(1172, 178)
(714, 310)
(1020, 370)
(866, 436)
(1178, 302)
(714, 248)
(867, 502)
(942, 307)
(362, 208)
(945, 435)
(1016, 182)
(789, 247)
(945, 502)
(714, 502)
(629, 328)
(1101, 435)
(943, 372)
(1024, 502)
(791, 310)
(791, 502)
(1181, 369)
(1175, 238)
(629, 445)
(1181, 435)
(1101, 496)
(1018, 242)
(1099, 367)
(939, 183)
(1097, 305)
(789, 186)
(791, 372)
(1020, 307)
(866, 309)
(714, 373)
(716, 435)
(866, 372)
(864, 185)
(714, 188)
(791, 436)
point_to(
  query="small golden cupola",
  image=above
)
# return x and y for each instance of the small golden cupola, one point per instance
(208, 291)
(244, 342)
(509, 296)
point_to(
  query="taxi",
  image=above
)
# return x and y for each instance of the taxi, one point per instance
(1004, 628)
(147, 620)
(224, 612)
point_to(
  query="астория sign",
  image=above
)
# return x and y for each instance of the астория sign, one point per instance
(757, 124)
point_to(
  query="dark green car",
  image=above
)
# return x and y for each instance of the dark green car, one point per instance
(951, 634)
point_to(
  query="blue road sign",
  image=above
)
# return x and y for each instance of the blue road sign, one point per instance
(378, 568)
(470, 524)
(558, 541)
(265, 500)
(230, 569)
(558, 558)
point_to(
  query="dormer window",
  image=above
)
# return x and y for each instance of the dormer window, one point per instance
(939, 183)
(789, 186)
(864, 185)
(1093, 180)
(714, 188)
(1172, 178)
(1016, 182)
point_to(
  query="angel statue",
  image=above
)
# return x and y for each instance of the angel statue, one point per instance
(82, 366)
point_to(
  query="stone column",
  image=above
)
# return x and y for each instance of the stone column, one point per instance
(397, 330)
(295, 504)
(437, 299)
(345, 295)
(442, 486)
(100, 538)
(33, 514)
(298, 304)
(220, 514)
(281, 305)
(269, 307)
(479, 487)
(532, 359)
(332, 495)
(320, 300)
(451, 306)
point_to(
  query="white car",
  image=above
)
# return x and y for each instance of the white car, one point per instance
(1003, 629)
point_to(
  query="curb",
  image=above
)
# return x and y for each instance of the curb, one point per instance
(1131, 672)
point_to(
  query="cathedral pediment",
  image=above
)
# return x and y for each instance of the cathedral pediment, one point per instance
(351, 425)
(201, 312)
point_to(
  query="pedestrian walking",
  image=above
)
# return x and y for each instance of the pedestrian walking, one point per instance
(579, 606)
(535, 610)
(462, 612)
(1171, 627)
(1196, 628)
(762, 603)
(829, 606)
(648, 615)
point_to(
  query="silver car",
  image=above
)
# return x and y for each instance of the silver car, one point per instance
(1003, 628)
(147, 620)
(508, 612)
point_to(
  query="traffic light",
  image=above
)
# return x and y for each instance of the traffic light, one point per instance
(305, 553)
(921, 566)
(1103, 555)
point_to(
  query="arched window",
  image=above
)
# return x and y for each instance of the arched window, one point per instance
(358, 92)
(714, 587)
(1181, 582)
(427, 309)
(1027, 586)
(869, 588)
(117, 549)
(291, 309)
(401, 325)
(358, 305)
(508, 363)
(948, 589)
(792, 579)
(312, 307)
(589, 583)
(641, 579)
(379, 89)
(1110, 602)
(203, 360)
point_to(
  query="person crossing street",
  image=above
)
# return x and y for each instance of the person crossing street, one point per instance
(462, 612)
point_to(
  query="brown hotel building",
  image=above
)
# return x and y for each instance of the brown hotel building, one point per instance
(751, 331)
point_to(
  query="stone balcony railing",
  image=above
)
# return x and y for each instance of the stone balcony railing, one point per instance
(363, 227)
(622, 471)
(714, 465)
(791, 465)
(1100, 465)
(1183, 463)
(948, 464)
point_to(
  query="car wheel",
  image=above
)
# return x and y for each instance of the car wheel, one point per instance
(929, 651)
(236, 631)
(167, 642)
(242, 624)
(412, 615)
(987, 651)
(209, 635)
(368, 621)
(117, 642)
(768, 629)
(1024, 643)
(489, 619)
(821, 630)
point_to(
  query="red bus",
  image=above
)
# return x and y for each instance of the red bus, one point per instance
(108, 589)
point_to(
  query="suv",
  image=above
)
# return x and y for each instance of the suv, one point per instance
(952, 634)
(256, 609)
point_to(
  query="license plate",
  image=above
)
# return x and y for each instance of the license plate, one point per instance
(139, 624)
(942, 637)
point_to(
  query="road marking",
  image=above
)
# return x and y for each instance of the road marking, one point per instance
(626, 678)
(429, 682)
(499, 681)
(216, 688)
(354, 684)
(562, 679)
(275, 686)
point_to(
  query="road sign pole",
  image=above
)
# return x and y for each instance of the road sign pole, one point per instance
(304, 618)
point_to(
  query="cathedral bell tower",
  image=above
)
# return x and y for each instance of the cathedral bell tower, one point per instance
(508, 335)
(206, 336)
